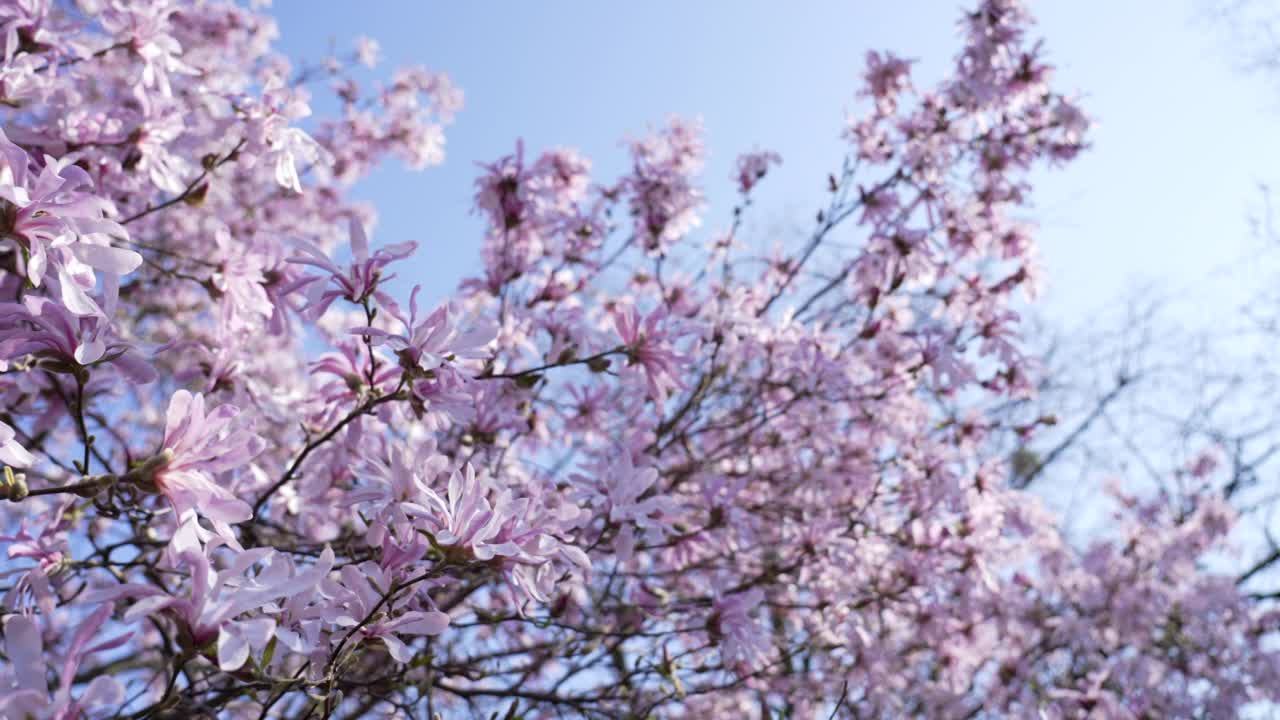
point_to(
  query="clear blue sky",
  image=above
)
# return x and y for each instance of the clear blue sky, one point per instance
(1183, 135)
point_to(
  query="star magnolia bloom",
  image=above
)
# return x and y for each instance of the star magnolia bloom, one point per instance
(29, 696)
(646, 347)
(752, 167)
(54, 216)
(439, 339)
(146, 28)
(467, 520)
(619, 487)
(742, 639)
(197, 446)
(664, 199)
(213, 608)
(469, 527)
(362, 596)
(355, 284)
(48, 331)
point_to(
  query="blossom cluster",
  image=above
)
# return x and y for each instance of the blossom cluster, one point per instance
(625, 471)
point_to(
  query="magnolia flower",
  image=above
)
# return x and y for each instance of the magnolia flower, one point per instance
(145, 27)
(466, 521)
(663, 198)
(197, 447)
(468, 528)
(291, 145)
(47, 547)
(58, 221)
(620, 488)
(29, 696)
(886, 76)
(646, 346)
(367, 51)
(503, 193)
(355, 284)
(241, 281)
(24, 21)
(742, 639)
(362, 594)
(272, 140)
(47, 331)
(213, 608)
(752, 167)
(438, 341)
(167, 170)
(391, 482)
(347, 370)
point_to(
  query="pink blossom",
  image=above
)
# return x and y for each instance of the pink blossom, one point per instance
(29, 697)
(887, 76)
(48, 548)
(361, 594)
(53, 215)
(741, 638)
(197, 449)
(663, 199)
(367, 51)
(647, 345)
(752, 167)
(355, 285)
(48, 332)
(440, 342)
(213, 609)
(145, 28)
(467, 526)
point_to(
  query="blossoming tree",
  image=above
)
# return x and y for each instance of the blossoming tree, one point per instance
(630, 470)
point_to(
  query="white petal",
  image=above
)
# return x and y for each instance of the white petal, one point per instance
(421, 623)
(107, 259)
(26, 651)
(233, 650)
(74, 298)
(398, 650)
(359, 241)
(90, 351)
(102, 690)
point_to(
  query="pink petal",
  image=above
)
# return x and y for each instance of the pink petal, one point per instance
(26, 651)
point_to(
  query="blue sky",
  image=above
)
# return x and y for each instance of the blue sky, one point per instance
(1183, 135)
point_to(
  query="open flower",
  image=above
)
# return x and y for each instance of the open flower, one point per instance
(468, 528)
(663, 198)
(355, 284)
(271, 139)
(742, 639)
(647, 345)
(360, 596)
(47, 547)
(63, 227)
(198, 447)
(887, 76)
(213, 609)
(47, 331)
(624, 490)
(29, 697)
(752, 167)
(438, 342)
